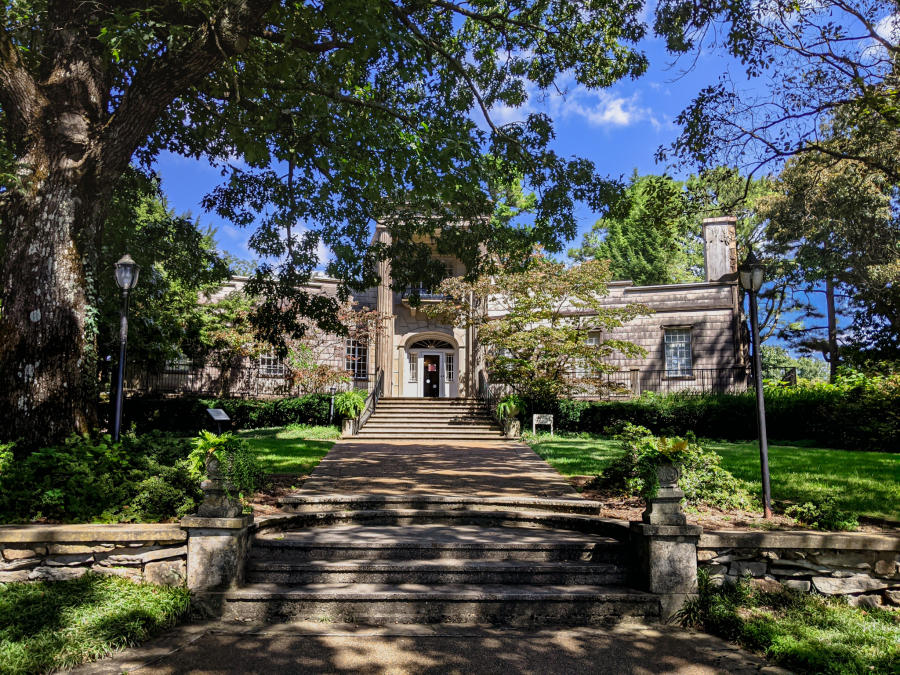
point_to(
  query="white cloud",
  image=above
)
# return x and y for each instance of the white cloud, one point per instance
(599, 108)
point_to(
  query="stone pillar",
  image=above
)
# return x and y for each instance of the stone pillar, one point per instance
(664, 547)
(635, 382)
(218, 543)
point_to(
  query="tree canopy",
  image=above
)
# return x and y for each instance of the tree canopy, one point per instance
(323, 116)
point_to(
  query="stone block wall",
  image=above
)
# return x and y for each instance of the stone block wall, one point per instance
(155, 554)
(863, 567)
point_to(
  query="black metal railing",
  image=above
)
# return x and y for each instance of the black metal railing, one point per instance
(486, 396)
(634, 382)
(371, 400)
(247, 380)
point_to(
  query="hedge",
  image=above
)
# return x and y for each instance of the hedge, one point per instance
(188, 414)
(864, 416)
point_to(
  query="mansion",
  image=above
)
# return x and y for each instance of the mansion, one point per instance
(693, 339)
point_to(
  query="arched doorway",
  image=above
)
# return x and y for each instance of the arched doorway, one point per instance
(432, 367)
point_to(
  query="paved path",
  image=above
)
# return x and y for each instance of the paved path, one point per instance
(483, 468)
(219, 649)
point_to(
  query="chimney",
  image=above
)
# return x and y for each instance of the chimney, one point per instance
(720, 248)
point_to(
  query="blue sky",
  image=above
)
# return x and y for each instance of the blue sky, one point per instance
(619, 129)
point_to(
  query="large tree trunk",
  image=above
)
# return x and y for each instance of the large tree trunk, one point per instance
(48, 369)
(70, 149)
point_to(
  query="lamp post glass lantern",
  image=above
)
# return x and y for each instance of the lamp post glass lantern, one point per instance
(752, 274)
(127, 272)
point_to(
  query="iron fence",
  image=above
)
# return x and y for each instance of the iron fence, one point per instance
(241, 381)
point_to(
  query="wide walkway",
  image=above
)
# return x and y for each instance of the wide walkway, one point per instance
(489, 469)
(486, 469)
(220, 649)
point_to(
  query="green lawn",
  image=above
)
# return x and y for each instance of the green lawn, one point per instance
(295, 449)
(866, 483)
(800, 631)
(50, 625)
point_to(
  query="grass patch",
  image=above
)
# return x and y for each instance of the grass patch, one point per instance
(296, 448)
(50, 625)
(864, 483)
(800, 631)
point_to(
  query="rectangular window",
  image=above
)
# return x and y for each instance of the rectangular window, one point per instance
(413, 367)
(357, 361)
(678, 352)
(270, 365)
(581, 368)
(448, 363)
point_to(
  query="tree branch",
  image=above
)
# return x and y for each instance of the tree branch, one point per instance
(154, 87)
(20, 96)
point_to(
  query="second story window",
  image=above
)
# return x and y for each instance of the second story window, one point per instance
(678, 352)
(270, 365)
(357, 359)
(581, 367)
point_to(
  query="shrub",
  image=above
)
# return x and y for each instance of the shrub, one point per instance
(824, 515)
(188, 414)
(702, 479)
(856, 413)
(142, 478)
(349, 404)
(239, 465)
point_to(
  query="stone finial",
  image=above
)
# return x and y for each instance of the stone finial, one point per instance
(720, 248)
(665, 507)
(219, 496)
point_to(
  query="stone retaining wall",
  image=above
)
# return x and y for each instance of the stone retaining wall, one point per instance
(864, 567)
(155, 554)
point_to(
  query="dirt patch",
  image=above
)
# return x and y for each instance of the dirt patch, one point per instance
(265, 501)
(631, 508)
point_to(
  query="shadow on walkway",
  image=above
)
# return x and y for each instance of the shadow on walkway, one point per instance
(330, 648)
(486, 469)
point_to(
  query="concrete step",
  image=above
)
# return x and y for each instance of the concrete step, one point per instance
(435, 542)
(376, 604)
(425, 433)
(440, 422)
(429, 415)
(306, 503)
(424, 436)
(433, 572)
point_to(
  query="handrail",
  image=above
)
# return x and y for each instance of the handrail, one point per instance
(484, 393)
(371, 400)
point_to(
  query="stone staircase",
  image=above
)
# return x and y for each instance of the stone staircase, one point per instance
(431, 419)
(435, 559)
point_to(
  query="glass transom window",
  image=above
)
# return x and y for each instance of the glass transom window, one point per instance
(678, 352)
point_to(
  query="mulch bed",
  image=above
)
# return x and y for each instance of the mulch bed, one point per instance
(631, 508)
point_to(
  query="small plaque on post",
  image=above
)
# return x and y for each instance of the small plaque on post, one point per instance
(542, 419)
(218, 414)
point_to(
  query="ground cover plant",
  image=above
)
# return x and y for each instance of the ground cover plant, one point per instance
(294, 449)
(862, 483)
(804, 632)
(142, 478)
(49, 625)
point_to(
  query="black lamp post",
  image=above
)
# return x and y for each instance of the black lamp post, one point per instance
(751, 274)
(331, 408)
(126, 277)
